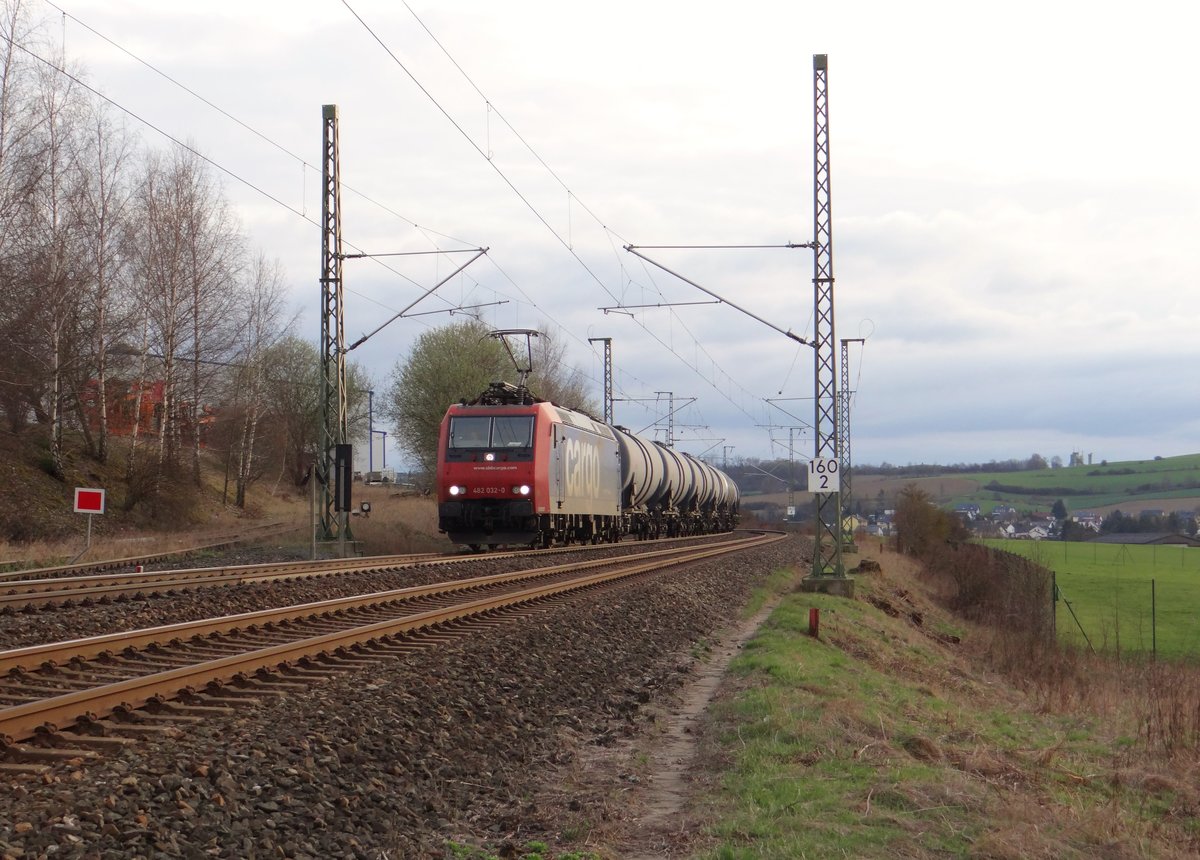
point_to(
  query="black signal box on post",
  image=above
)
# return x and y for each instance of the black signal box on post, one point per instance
(342, 476)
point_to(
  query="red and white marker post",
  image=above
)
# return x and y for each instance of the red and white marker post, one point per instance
(89, 501)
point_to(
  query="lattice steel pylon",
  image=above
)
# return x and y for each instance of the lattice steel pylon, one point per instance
(608, 376)
(827, 552)
(670, 417)
(333, 524)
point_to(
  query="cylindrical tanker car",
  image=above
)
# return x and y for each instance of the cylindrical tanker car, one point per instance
(513, 469)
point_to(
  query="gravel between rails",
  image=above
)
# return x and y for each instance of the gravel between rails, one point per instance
(394, 759)
(39, 625)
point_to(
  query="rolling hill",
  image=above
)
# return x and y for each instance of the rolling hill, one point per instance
(1166, 483)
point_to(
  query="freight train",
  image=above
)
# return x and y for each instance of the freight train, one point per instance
(516, 470)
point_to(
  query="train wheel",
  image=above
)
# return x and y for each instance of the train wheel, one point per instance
(493, 545)
(475, 547)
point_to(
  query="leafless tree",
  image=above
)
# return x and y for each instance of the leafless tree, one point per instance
(17, 117)
(158, 260)
(265, 304)
(49, 239)
(107, 253)
(19, 376)
(212, 247)
(102, 205)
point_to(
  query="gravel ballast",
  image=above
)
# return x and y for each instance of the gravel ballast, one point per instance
(61, 623)
(394, 759)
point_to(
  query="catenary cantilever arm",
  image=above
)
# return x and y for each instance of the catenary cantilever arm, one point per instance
(786, 332)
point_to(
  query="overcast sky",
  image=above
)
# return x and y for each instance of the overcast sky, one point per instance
(1014, 196)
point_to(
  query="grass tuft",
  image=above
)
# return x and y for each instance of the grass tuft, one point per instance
(887, 737)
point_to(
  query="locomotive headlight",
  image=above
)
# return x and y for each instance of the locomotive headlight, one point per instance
(522, 490)
(489, 457)
(456, 490)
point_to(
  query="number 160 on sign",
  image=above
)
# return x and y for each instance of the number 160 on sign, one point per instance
(823, 476)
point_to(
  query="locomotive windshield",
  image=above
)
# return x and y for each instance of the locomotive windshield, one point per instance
(513, 432)
(505, 431)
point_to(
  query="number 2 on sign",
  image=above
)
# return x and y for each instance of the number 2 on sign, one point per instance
(823, 476)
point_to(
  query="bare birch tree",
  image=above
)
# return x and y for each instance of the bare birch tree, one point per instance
(264, 309)
(158, 260)
(102, 205)
(212, 249)
(21, 379)
(50, 242)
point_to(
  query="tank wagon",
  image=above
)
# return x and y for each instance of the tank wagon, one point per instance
(513, 469)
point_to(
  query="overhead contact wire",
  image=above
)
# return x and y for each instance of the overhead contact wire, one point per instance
(566, 244)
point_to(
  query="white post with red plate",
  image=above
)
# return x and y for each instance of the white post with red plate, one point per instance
(89, 501)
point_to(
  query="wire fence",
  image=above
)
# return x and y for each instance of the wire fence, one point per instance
(1123, 599)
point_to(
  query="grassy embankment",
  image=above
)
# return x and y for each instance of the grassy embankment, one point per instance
(397, 523)
(886, 737)
(1126, 599)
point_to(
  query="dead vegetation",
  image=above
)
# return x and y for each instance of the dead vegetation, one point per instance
(38, 526)
(1105, 752)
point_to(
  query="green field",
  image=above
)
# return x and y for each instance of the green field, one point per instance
(1089, 486)
(1131, 599)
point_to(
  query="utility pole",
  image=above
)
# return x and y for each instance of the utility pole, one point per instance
(608, 376)
(333, 513)
(827, 572)
(725, 449)
(844, 460)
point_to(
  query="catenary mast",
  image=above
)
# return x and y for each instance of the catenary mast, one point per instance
(827, 554)
(334, 517)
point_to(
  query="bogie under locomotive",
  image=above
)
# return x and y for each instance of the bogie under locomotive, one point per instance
(516, 470)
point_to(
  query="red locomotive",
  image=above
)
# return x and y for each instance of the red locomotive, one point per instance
(516, 470)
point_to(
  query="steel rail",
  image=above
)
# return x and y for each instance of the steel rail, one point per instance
(20, 594)
(37, 592)
(53, 712)
(57, 653)
(37, 574)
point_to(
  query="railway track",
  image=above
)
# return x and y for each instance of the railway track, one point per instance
(96, 692)
(19, 594)
(25, 593)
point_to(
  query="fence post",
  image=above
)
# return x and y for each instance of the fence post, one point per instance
(1075, 617)
(1054, 606)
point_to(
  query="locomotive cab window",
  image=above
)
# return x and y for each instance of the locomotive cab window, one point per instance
(512, 432)
(505, 431)
(470, 432)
